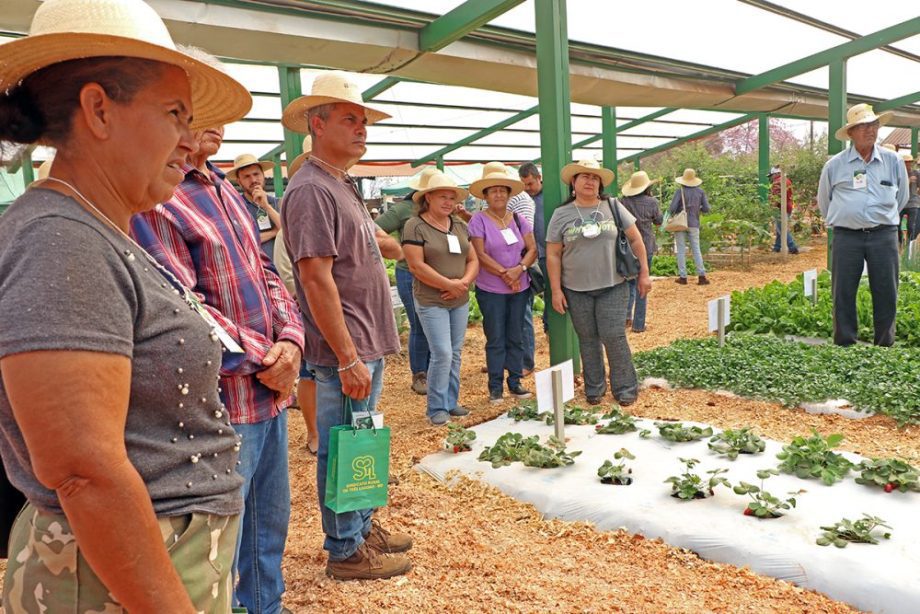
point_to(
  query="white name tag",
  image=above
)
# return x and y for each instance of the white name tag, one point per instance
(859, 180)
(509, 236)
(222, 335)
(453, 244)
(265, 222)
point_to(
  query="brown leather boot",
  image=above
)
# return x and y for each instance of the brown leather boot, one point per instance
(368, 564)
(420, 383)
(681, 280)
(383, 541)
(703, 281)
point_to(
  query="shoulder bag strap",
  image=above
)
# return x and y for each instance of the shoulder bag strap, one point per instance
(683, 203)
(615, 211)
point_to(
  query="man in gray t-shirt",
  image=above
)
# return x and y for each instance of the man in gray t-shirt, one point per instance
(344, 293)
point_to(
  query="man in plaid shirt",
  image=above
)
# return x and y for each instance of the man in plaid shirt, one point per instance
(207, 239)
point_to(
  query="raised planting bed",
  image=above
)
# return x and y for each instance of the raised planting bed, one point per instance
(747, 527)
(882, 380)
(783, 309)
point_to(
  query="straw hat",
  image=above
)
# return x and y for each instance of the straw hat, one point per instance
(328, 88)
(592, 167)
(689, 178)
(440, 181)
(244, 160)
(906, 157)
(861, 114)
(493, 174)
(77, 29)
(638, 183)
(297, 162)
(421, 180)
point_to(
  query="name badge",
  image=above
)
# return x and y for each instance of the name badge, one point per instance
(265, 222)
(860, 181)
(509, 236)
(216, 329)
(453, 244)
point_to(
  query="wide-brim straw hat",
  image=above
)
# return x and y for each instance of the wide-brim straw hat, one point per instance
(861, 114)
(420, 181)
(638, 183)
(493, 174)
(906, 157)
(247, 159)
(440, 181)
(297, 162)
(328, 88)
(592, 167)
(78, 29)
(689, 178)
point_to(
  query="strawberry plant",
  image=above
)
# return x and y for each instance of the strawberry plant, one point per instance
(859, 531)
(645, 433)
(458, 438)
(508, 448)
(763, 504)
(550, 456)
(731, 442)
(526, 410)
(574, 415)
(676, 431)
(689, 485)
(888, 473)
(619, 423)
(812, 458)
(619, 473)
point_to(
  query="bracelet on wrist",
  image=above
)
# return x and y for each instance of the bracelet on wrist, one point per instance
(351, 365)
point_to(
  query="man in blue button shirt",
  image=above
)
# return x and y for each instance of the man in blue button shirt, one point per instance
(861, 193)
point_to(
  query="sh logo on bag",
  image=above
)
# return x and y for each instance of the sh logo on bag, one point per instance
(363, 467)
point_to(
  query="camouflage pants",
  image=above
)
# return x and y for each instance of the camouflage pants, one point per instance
(47, 574)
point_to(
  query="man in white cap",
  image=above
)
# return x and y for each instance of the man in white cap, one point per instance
(249, 173)
(344, 294)
(861, 193)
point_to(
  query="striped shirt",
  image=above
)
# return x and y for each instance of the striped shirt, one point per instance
(205, 236)
(523, 205)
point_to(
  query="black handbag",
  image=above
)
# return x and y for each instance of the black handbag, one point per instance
(537, 281)
(626, 262)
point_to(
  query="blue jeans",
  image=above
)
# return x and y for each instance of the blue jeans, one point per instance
(530, 341)
(790, 242)
(266, 514)
(680, 238)
(445, 329)
(344, 532)
(635, 308)
(503, 324)
(418, 344)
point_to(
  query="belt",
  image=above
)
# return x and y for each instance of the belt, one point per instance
(871, 229)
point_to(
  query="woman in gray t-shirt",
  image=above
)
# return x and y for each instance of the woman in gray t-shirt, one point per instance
(111, 422)
(581, 263)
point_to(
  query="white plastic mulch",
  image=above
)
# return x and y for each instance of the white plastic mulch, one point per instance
(879, 578)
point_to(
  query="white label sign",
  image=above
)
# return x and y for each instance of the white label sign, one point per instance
(544, 380)
(714, 312)
(810, 277)
(394, 296)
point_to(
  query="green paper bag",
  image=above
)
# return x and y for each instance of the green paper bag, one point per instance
(358, 471)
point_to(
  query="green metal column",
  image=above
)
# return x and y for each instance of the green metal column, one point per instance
(637, 164)
(28, 173)
(763, 156)
(913, 142)
(609, 145)
(278, 177)
(836, 118)
(555, 143)
(439, 162)
(291, 88)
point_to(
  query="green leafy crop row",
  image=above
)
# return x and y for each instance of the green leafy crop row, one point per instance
(877, 379)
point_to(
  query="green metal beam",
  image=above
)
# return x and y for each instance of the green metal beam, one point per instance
(290, 88)
(439, 163)
(692, 137)
(763, 156)
(278, 177)
(624, 127)
(477, 135)
(461, 21)
(900, 101)
(28, 173)
(913, 142)
(905, 29)
(379, 88)
(609, 147)
(274, 153)
(836, 105)
(555, 145)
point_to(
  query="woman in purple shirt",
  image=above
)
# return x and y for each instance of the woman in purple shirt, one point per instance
(506, 248)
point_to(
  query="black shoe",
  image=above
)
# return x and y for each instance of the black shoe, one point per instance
(520, 392)
(593, 400)
(495, 398)
(625, 402)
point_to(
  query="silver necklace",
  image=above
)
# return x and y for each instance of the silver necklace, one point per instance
(178, 287)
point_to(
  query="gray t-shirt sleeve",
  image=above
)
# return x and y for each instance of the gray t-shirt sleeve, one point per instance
(74, 293)
(556, 226)
(310, 216)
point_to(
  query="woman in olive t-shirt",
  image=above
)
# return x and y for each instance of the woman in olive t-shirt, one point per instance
(437, 249)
